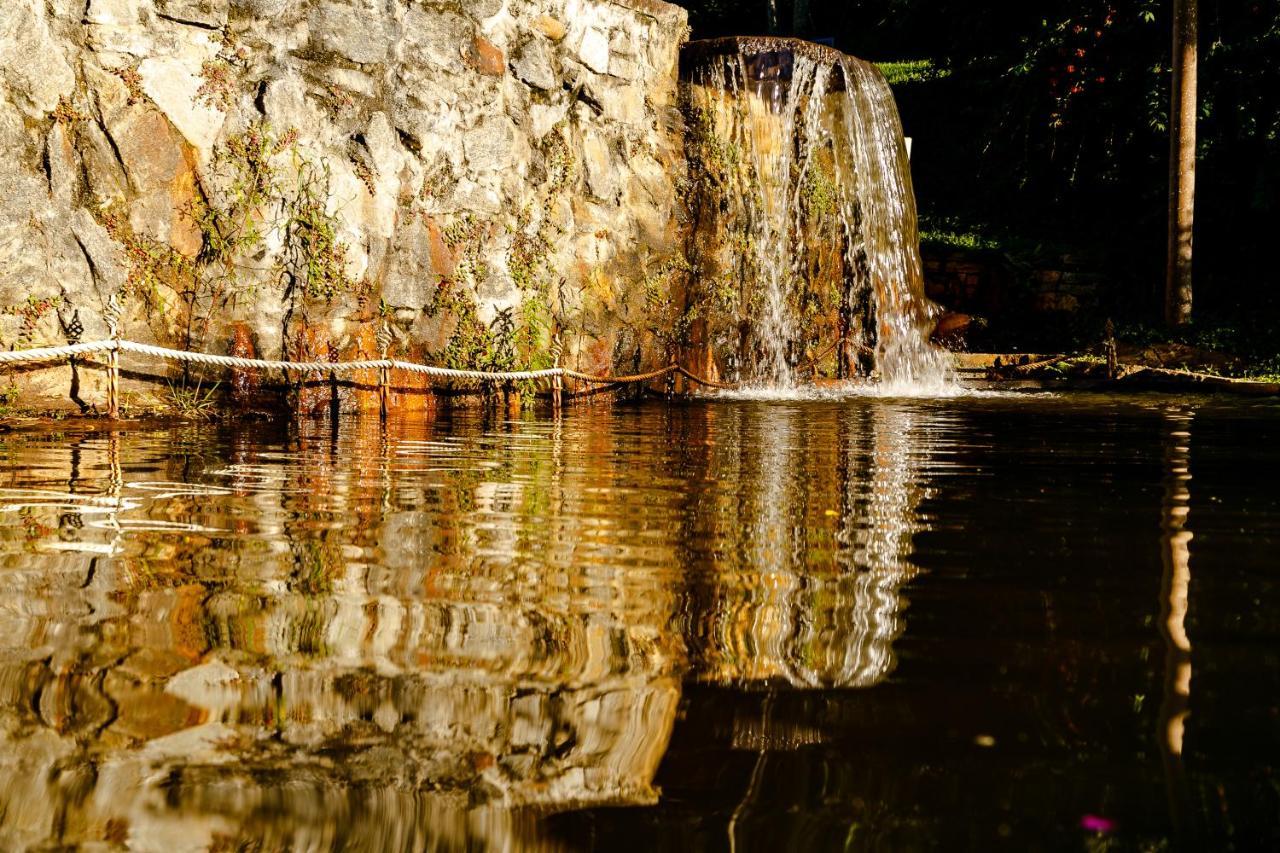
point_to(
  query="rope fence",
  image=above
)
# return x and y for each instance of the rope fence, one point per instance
(556, 375)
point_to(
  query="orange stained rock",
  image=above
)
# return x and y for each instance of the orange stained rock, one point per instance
(487, 58)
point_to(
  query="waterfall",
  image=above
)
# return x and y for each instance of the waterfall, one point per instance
(803, 217)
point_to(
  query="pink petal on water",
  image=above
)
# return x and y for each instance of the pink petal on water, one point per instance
(1094, 823)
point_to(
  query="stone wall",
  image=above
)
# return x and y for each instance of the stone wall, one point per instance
(284, 174)
(989, 284)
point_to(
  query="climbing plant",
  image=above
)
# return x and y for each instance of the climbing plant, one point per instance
(260, 192)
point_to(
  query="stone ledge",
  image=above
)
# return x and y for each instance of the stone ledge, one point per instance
(667, 13)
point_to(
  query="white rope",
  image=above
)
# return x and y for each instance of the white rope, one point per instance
(335, 366)
(252, 363)
(54, 353)
(450, 373)
(236, 362)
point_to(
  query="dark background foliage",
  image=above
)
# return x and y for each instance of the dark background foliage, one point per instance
(1042, 125)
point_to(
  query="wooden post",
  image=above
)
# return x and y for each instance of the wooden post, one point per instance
(113, 315)
(384, 372)
(113, 381)
(384, 389)
(333, 397)
(1110, 346)
(557, 382)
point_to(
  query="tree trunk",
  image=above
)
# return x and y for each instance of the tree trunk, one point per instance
(801, 22)
(774, 20)
(1182, 161)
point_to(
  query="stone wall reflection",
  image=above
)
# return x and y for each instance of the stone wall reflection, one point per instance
(426, 636)
(411, 625)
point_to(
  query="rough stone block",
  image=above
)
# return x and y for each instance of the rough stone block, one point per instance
(549, 27)
(349, 29)
(434, 38)
(173, 83)
(593, 50)
(489, 146)
(533, 63)
(600, 167)
(31, 62)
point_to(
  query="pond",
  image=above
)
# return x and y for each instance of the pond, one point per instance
(1026, 622)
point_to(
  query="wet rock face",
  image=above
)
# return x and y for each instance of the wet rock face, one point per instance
(294, 164)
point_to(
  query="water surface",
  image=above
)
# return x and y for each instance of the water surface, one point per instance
(1032, 623)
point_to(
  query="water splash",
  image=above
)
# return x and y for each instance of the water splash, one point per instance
(805, 228)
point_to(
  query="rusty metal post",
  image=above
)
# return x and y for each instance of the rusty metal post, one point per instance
(384, 372)
(113, 315)
(557, 382)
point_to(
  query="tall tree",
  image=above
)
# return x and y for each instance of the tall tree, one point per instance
(1183, 106)
(801, 19)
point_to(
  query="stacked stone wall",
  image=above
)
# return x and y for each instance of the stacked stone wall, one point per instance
(285, 176)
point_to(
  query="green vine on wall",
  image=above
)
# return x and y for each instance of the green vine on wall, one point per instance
(247, 196)
(220, 76)
(30, 312)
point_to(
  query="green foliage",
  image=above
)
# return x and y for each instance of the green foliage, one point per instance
(820, 194)
(30, 312)
(132, 80)
(367, 174)
(248, 197)
(315, 258)
(8, 400)
(669, 321)
(711, 159)
(517, 338)
(471, 345)
(220, 76)
(911, 71)
(560, 164)
(192, 402)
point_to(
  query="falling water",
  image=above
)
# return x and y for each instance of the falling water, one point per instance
(805, 226)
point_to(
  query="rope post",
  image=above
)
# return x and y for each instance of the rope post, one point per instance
(384, 372)
(112, 316)
(1110, 346)
(671, 381)
(74, 330)
(557, 381)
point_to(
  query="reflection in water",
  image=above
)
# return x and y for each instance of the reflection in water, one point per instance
(1176, 556)
(427, 635)
(812, 550)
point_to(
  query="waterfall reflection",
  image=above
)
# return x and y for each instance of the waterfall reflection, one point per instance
(805, 586)
(415, 637)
